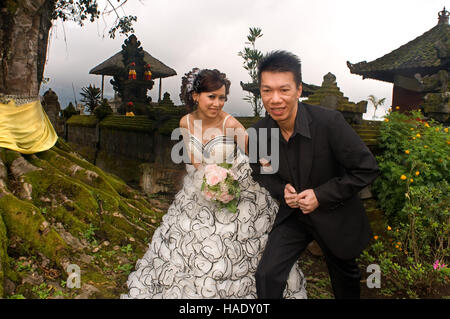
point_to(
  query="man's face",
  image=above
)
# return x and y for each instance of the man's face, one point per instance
(280, 94)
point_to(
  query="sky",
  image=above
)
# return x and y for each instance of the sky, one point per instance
(325, 34)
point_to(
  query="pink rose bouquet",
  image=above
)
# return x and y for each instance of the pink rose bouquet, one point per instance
(220, 186)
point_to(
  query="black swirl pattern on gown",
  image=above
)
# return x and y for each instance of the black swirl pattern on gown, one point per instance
(200, 251)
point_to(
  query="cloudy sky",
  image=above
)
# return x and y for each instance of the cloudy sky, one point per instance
(209, 34)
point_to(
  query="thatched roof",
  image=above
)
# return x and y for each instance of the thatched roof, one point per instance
(114, 65)
(425, 54)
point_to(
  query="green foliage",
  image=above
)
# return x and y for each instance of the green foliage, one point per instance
(17, 296)
(124, 25)
(103, 110)
(251, 57)
(401, 274)
(91, 97)
(126, 268)
(375, 102)
(81, 10)
(69, 111)
(42, 291)
(89, 234)
(126, 249)
(414, 192)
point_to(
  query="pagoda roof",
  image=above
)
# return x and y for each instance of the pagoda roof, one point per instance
(425, 54)
(114, 66)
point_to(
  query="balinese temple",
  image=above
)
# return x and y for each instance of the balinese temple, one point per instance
(418, 69)
(134, 71)
(330, 96)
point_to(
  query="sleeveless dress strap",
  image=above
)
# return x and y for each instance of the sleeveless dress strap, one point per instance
(188, 120)
(223, 126)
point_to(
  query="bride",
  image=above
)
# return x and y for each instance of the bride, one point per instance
(201, 250)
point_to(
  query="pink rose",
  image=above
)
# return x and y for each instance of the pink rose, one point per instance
(225, 198)
(209, 195)
(224, 188)
(212, 179)
(215, 174)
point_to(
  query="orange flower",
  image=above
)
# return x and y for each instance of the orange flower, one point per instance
(446, 130)
(386, 120)
(389, 228)
(397, 107)
(427, 125)
(407, 152)
(411, 180)
(417, 173)
(437, 129)
(403, 177)
(375, 237)
(418, 135)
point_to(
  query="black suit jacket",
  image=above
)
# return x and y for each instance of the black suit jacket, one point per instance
(336, 164)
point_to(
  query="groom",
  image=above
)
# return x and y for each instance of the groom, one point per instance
(322, 165)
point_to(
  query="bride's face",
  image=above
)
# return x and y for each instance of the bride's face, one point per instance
(211, 103)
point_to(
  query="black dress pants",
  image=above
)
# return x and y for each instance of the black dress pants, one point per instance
(284, 246)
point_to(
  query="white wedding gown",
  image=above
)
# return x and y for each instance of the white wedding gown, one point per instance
(200, 251)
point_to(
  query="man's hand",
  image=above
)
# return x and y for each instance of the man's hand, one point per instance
(290, 196)
(307, 201)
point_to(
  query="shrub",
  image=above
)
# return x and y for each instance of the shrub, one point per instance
(414, 193)
(103, 110)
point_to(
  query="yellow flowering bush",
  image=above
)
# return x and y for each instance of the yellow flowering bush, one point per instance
(414, 193)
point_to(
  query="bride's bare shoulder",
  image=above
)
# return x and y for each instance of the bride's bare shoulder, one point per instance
(232, 122)
(183, 121)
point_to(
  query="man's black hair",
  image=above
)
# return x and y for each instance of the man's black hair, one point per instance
(281, 61)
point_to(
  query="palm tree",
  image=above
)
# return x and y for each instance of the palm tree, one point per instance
(251, 56)
(376, 102)
(91, 96)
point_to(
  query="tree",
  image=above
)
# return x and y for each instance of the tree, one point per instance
(376, 102)
(43, 196)
(251, 58)
(24, 30)
(91, 96)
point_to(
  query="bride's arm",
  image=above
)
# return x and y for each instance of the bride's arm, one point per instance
(186, 140)
(235, 128)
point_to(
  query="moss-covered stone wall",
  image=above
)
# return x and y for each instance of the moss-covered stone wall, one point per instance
(138, 149)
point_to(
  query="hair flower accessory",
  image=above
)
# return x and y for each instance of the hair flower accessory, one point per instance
(191, 85)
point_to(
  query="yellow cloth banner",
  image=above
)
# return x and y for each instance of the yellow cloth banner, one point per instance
(26, 128)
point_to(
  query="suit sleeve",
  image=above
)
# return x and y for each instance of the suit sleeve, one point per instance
(272, 182)
(352, 154)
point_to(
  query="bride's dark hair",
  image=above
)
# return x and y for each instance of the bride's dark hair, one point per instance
(202, 81)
